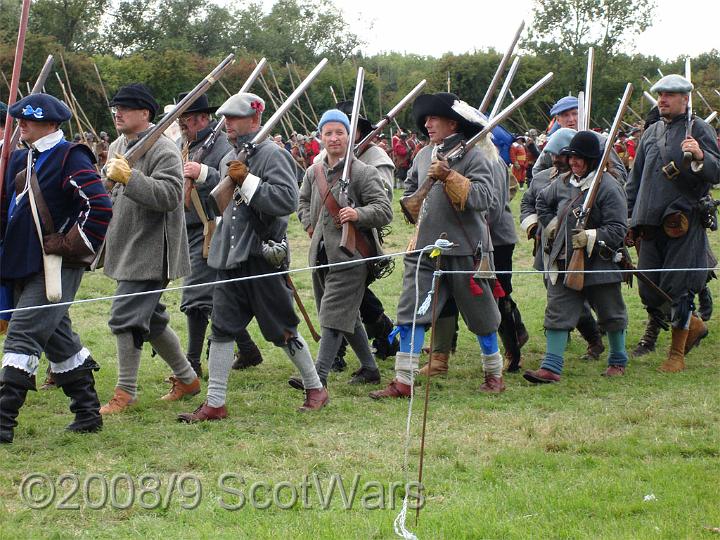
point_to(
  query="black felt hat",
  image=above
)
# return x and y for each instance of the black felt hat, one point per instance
(200, 105)
(136, 96)
(447, 105)
(585, 144)
(364, 125)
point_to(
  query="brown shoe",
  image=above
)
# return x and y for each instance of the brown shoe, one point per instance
(315, 399)
(696, 332)
(438, 365)
(395, 389)
(180, 389)
(676, 357)
(204, 413)
(594, 350)
(120, 401)
(492, 385)
(614, 371)
(541, 376)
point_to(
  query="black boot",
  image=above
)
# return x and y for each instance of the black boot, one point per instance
(197, 322)
(512, 333)
(588, 328)
(248, 354)
(79, 386)
(655, 323)
(339, 364)
(379, 332)
(705, 301)
(14, 386)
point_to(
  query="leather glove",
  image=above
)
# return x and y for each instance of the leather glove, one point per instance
(237, 171)
(630, 238)
(439, 170)
(457, 187)
(67, 245)
(579, 239)
(275, 252)
(118, 169)
(551, 229)
(532, 231)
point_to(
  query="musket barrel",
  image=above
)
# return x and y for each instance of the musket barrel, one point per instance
(650, 98)
(359, 83)
(505, 87)
(498, 73)
(588, 86)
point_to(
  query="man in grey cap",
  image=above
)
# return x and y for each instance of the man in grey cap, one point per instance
(250, 241)
(664, 206)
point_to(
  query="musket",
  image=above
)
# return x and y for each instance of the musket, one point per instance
(501, 68)
(687, 156)
(575, 277)
(144, 144)
(307, 96)
(581, 111)
(36, 89)
(505, 87)
(205, 148)
(650, 98)
(588, 87)
(392, 113)
(275, 105)
(622, 257)
(411, 204)
(222, 194)
(347, 239)
(13, 87)
(713, 116)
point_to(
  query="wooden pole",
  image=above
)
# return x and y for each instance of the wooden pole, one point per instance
(312, 109)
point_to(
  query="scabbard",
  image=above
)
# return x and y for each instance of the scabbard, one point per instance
(301, 306)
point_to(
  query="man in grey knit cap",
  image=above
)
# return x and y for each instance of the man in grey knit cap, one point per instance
(250, 241)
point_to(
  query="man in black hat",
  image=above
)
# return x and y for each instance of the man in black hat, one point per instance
(456, 204)
(146, 247)
(605, 231)
(201, 171)
(54, 216)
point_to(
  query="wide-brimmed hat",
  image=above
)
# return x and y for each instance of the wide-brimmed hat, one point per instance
(200, 105)
(447, 105)
(585, 144)
(364, 125)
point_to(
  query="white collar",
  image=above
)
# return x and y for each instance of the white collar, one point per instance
(48, 141)
(582, 183)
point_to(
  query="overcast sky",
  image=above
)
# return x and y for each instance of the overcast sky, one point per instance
(433, 28)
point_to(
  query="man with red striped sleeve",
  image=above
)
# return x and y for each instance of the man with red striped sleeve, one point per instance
(53, 204)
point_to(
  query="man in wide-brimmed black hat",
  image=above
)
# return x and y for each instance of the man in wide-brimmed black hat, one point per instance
(556, 206)
(456, 203)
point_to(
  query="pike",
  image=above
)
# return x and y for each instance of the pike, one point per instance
(307, 96)
(107, 101)
(332, 92)
(71, 105)
(348, 237)
(207, 145)
(275, 105)
(581, 111)
(410, 205)
(282, 95)
(501, 68)
(505, 87)
(382, 124)
(575, 278)
(222, 194)
(687, 156)
(713, 116)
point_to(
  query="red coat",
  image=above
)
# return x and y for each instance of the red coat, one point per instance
(518, 158)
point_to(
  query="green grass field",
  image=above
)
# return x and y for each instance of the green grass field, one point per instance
(572, 460)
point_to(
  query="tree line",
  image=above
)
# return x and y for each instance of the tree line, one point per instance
(171, 44)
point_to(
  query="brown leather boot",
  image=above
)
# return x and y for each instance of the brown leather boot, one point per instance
(180, 389)
(204, 413)
(438, 365)
(541, 376)
(676, 357)
(697, 331)
(395, 389)
(492, 385)
(315, 399)
(120, 401)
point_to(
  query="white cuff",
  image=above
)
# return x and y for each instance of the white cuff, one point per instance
(696, 165)
(76, 360)
(24, 362)
(249, 187)
(525, 224)
(203, 174)
(591, 237)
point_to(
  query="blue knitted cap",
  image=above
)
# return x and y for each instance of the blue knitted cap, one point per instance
(334, 115)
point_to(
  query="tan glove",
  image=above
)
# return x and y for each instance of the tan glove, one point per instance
(579, 239)
(457, 187)
(237, 171)
(439, 170)
(118, 169)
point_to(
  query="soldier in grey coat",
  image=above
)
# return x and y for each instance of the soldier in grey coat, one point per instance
(460, 195)
(587, 326)
(664, 196)
(250, 241)
(146, 247)
(201, 171)
(339, 290)
(605, 230)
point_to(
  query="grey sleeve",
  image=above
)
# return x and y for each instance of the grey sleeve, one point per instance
(546, 204)
(376, 210)
(162, 191)
(480, 172)
(277, 193)
(613, 209)
(527, 203)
